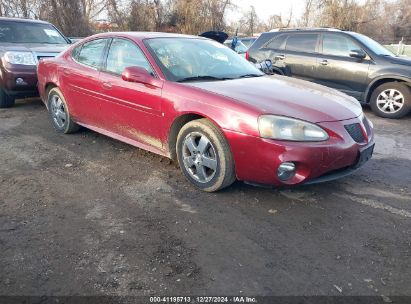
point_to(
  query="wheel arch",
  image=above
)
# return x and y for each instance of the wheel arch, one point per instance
(47, 87)
(380, 81)
(278, 71)
(176, 126)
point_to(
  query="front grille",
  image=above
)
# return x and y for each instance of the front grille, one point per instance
(356, 132)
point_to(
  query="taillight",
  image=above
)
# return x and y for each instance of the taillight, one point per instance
(247, 55)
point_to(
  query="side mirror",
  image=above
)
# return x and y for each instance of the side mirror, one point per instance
(360, 54)
(139, 75)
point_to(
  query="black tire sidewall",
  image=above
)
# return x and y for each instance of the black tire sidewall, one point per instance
(218, 181)
(405, 91)
(6, 101)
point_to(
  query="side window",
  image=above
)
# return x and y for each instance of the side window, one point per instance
(124, 53)
(91, 52)
(277, 42)
(75, 52)
(338, 45)
(302, 43)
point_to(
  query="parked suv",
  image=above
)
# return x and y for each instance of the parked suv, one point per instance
(23, 43)
(347, 61)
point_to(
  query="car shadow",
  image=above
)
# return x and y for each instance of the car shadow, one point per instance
(28, 102)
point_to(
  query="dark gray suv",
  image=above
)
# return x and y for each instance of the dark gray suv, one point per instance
(23, 42)
(347, 61)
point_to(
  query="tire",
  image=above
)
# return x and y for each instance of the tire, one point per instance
(59, 112)
(391, 100)
(6, 101)
(204, 156)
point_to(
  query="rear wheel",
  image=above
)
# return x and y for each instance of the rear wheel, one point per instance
(6, 101)
(391, 100)
(204, 156)
(59, 113)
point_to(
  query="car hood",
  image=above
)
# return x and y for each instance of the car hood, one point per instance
(34, 47)
(287, 96)
(400, 60)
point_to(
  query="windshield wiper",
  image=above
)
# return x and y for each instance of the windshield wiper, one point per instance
(205, 77)
(250, 75)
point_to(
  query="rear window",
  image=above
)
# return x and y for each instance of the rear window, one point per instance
(27, 32)
(302, 43)
(91, 53)
(277, 42)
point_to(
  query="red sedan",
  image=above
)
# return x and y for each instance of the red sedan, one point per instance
(196, 101)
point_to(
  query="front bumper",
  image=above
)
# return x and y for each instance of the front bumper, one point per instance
(8, 76)
(340, 173)
(257, 159)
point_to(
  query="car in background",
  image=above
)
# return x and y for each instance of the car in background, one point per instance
(239, 48)
(75, 39)
(23, 43)
(347, 61)
(195, 101)
(248, 41)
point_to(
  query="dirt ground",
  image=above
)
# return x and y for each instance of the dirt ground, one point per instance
(84, 214)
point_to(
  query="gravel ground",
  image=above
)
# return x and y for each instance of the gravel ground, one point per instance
(84, 214)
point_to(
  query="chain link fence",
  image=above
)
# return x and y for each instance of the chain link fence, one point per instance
(400, 49)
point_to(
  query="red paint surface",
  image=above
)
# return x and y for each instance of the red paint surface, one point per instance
(142, 115)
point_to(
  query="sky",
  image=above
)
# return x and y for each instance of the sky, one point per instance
(266, 8)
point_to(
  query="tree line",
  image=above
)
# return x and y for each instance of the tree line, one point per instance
(385, 20)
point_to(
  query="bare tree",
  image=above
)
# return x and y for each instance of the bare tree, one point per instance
(68, 16)
(250, 21)
(306, 17)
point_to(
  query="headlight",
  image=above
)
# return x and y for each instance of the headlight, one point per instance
(24, 58)
(284, 128)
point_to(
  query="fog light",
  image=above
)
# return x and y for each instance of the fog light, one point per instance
(20, 81)
(286, 171)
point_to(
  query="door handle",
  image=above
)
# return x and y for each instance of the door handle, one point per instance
(280, 57)
(66, 72)
(107, 85)
(324, 62)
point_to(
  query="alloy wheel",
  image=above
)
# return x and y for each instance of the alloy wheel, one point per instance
(199, 157)
(390, 101)
(58, 111)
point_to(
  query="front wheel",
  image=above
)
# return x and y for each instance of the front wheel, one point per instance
(204, 156)
(6, 101)
(391, 100)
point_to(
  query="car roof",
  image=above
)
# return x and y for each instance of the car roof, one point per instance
(145, 35)
(22, 20)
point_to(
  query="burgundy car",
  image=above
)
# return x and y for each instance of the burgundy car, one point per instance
(23, 43)
(196, 101)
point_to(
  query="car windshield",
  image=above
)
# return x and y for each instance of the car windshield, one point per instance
(373, 45)
(27, 32)
(190, 59)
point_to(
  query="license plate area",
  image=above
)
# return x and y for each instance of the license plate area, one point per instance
(365, 155)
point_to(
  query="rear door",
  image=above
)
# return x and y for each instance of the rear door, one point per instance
(300, 55)
(80, 81)
(337, 69)
(131, 110)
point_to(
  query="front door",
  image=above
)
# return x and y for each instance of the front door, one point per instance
(131, 110)
(336, 69)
